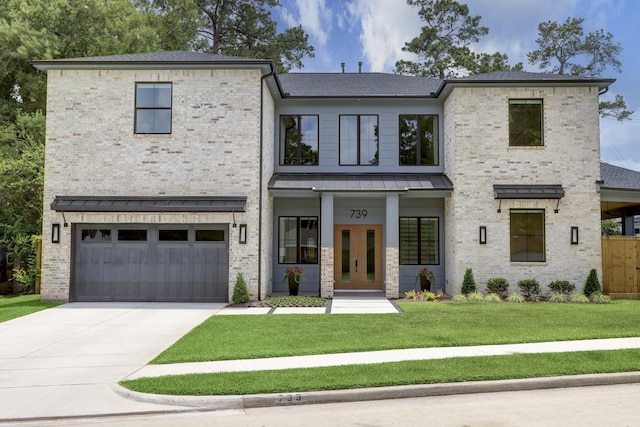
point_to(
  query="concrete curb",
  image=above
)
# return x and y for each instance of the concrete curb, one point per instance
(378, 393)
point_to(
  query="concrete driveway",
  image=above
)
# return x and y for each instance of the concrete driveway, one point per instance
(64, 361)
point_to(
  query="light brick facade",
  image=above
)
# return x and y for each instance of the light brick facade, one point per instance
(478, 155)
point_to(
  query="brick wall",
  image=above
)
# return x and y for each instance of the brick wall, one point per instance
(477, 156)
(214, 149)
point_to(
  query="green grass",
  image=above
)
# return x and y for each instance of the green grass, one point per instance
(398, 373)
(21, 305)
(420, 325)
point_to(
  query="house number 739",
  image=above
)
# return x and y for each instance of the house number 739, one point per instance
(359, 213)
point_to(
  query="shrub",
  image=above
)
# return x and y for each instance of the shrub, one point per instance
(497, 285)
(429, 296)
(578, 299)
(459, 298)
(592, 284)
(515, 298)
(468, 283)
(562, 286)
(493, 298)
(240, 291)
(475, 297)
(410, 294)
(530, 288)
(600, 298)
(558, 297)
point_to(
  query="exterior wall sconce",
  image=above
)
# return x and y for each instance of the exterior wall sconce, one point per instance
(243, 234)
(483, 235)
(55, 233)
(574, 235)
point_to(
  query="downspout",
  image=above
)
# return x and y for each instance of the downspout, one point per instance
(261, 181)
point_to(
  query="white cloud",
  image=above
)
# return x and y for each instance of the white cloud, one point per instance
(314, 16)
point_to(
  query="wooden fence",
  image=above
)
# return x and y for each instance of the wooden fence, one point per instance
(621, 266)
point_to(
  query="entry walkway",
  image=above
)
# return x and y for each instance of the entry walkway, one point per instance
(342, 303)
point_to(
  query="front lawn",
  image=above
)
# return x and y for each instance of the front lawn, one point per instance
(397, 373)
(21, 305)
(420, 325)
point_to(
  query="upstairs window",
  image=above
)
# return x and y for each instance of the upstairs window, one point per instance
(299, 140)
(359, 140)
(153, 108)
(419, 140)
(525, 122)
(527, 235)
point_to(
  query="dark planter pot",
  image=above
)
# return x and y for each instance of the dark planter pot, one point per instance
(293, 286)
(425, 284)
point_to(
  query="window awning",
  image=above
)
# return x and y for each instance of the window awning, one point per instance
(148, 204)
(528, 191)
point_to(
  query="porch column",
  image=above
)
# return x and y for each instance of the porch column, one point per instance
(326, 246)
(628, 225)
(392, 251)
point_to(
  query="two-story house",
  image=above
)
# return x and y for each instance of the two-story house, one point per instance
(169, 173)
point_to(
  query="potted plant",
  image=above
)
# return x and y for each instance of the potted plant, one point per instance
(426, 279)
(293, 275)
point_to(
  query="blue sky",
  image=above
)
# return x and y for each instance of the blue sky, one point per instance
(374, 32)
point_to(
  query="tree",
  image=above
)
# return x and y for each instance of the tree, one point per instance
(468, 282)
(610, 227)
(443, 43)
(240, 28)
(564, 49)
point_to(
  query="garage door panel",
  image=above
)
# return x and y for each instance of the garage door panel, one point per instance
(149, 270)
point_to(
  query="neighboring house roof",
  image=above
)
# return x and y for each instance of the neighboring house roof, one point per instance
(335, 85)
(359, 182)
(615, 177)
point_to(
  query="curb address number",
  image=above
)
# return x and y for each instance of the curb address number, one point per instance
(291, 399)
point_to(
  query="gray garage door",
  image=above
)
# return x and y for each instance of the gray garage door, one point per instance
(175, 263)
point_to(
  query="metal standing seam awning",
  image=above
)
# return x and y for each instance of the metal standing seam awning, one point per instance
(552, 191)
(307, 183)
(149, 204)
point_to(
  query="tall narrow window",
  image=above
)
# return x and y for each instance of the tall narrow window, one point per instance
(527, 235)
(419, 241)
(419, 140)
(153, 108)
(299, 140)
(359, 140)
(298, 240)
(525, 122)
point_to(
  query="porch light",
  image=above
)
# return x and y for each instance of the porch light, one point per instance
(574, 235)
(483, 234)
(243, 234)
(55, 233)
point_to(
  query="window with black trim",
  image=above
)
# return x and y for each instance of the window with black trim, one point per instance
(153, 108)
(299, 140)
(419, 140)
(419, 240)
(527, 235)
(525, 122)
(298, 240)
(359, 136)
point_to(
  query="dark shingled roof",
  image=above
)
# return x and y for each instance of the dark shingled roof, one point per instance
(359, 182)
(357, 84)
(615, 177)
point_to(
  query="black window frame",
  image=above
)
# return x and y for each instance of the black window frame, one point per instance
(418, 142)
(528, 234)
(421, 254)
(153, 108)
(358, 142)
(299, 161)
(525, 131)
(299, 258)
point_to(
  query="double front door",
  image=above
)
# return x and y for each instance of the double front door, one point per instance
(358, 256)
